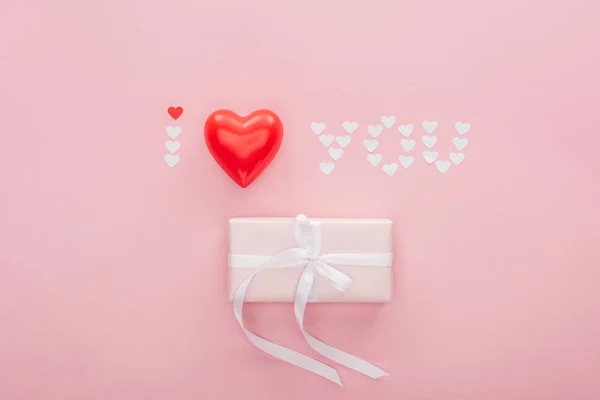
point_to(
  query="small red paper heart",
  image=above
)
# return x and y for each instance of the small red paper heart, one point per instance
(243, 146)
(175, 112)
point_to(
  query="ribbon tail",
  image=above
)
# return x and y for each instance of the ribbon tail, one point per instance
(348, 360)
(275, 350)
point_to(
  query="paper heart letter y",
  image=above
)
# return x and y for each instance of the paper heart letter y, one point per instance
(243, 146)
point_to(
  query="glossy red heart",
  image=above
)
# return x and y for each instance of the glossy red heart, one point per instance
(175, 112)
(243, 146)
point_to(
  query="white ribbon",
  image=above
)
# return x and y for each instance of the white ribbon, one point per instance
(308, 236)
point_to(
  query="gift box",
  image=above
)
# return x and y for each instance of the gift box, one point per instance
(303, 260)
(364, 244)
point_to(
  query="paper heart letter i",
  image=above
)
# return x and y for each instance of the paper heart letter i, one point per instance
(243, 146)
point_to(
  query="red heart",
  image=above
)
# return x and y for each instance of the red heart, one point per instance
(243, 146)
(175, 112)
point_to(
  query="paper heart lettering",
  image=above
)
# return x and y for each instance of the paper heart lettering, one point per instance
(407, 144)
(429, 141)
(371, 144)
(171, 160)
(343, 141)
(406, 161)
(457, 158)
(350, 127)
(326, 140)
(317, 127)
(326, 167)
(375, 130)
(335, 153)
(173, 131)
(430, 156)
(429, 126)
(388, 122)
(442, 166)
(462, 127)
(175, 112)
(374, 159)
(243, 146)
(406, 130)
(172, 146)
(460, 143)
(390, 169)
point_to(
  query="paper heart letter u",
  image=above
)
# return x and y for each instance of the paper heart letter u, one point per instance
(243, 146)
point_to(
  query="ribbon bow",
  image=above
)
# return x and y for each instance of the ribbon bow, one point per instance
(308, 237)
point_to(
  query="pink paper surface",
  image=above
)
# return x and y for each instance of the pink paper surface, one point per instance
(113, 266)
(268, 236)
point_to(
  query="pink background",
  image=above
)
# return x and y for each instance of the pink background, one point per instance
(113, 266)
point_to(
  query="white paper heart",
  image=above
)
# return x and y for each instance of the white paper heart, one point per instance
(429, 126)
(406, 130)
(462, 127)
(460, 143)
(173, 131)
(430, 156)
(375, 130)
(371, 144)
(350, 127)
(172, 146)
(374, 159)
(442, 166)
(457, 158)
(408, 144)
(335, 153)
(343, 141)
(390, 169)
(429, 141)
(318, 127)
(326, 167)
(406, 161)
(388, 122)
(171, 160)
(326, 140)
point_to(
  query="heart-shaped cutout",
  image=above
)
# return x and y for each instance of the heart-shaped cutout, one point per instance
(175, 112)
(374, 159)
(243, 146)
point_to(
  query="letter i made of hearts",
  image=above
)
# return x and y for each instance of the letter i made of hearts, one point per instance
(243, 146)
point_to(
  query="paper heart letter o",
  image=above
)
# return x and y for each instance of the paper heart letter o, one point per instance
(243, 146)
